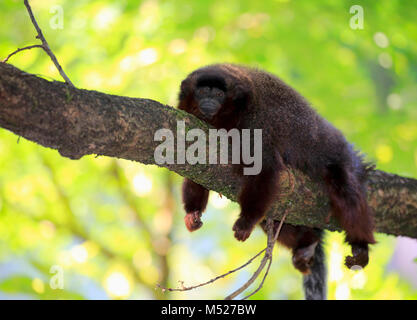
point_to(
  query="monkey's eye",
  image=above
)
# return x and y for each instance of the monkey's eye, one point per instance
(200, 92)
(218, 93)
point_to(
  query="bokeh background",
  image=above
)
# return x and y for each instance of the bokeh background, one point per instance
(115, 228)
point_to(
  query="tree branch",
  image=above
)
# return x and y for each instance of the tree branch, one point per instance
(79, 122)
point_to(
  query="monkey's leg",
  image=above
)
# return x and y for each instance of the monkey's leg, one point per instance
(255, 198)
(349, 205)
(302, 241)
(195, 199)
(308, 256)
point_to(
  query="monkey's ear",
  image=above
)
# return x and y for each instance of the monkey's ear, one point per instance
(241, 95)
(186, 88)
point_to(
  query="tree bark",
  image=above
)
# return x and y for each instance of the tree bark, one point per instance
(79, 122)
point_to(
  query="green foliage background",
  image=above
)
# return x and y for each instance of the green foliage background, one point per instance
(115, 227)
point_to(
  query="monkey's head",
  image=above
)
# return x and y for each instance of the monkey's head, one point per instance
(209, 99)
(214, 94)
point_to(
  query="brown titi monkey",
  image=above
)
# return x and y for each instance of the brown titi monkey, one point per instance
(293, 134)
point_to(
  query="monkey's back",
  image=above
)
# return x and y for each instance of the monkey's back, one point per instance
(290, 125)
(304, 139)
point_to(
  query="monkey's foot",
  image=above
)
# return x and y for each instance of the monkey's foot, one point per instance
(303, 258)
(242, 228)
(359, 256)
(193, 220)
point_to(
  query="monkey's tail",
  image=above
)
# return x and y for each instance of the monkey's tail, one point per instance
(315, 283)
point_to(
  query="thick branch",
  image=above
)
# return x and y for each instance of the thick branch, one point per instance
(79, 122)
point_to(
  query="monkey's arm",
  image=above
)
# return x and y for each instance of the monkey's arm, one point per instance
(195, 198)
(256, 196)
(349, 205)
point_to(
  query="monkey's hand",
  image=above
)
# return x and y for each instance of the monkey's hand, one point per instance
(242, 228)
(359, 256)
(193, 220)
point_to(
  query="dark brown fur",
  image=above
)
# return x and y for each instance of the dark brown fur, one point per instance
(293, 135)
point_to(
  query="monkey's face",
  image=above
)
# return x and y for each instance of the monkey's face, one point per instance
(209, 100)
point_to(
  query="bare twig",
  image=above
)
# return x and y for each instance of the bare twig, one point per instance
(272, 238)
(256, 274)
(21, 49)
(262, 282)
(44, 46)
(291, 182)
(270, 258)
(214, 279)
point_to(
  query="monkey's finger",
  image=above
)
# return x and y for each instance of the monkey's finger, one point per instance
(242, 235)
(242, 229)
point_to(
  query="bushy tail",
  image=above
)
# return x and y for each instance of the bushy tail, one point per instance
(314, 284)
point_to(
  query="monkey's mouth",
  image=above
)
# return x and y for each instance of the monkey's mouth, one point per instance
(209, 108)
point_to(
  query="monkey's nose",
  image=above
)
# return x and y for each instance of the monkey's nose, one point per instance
(209, 108)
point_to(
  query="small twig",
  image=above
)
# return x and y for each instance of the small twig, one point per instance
(291, 180)
(261, 265)
(272, 238)
(44, 46)
(214, 279)
(270, 259)
(262, 282)
(280, 226)
(21, 49)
